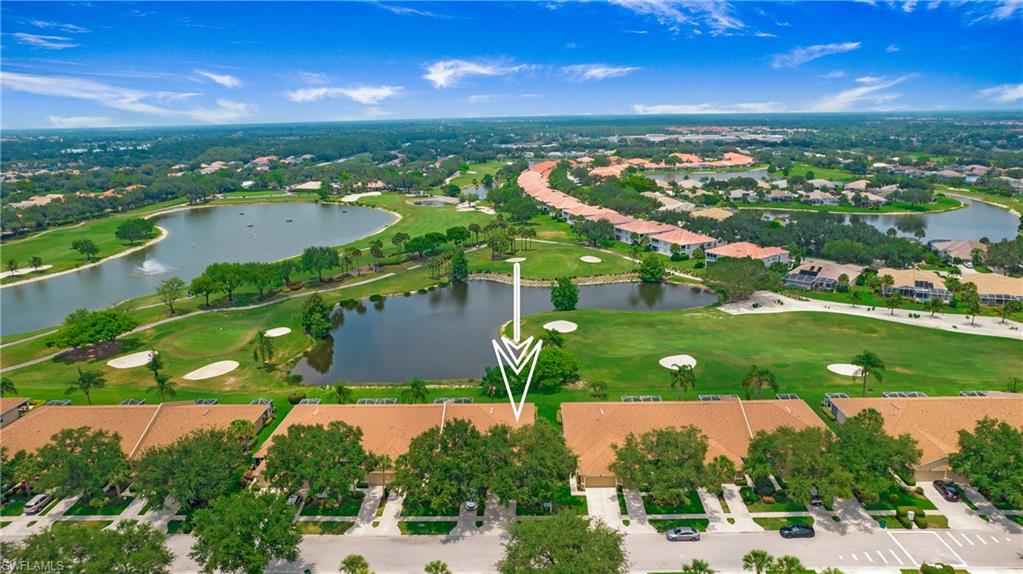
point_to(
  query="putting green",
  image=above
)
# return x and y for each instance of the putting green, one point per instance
(224, 338)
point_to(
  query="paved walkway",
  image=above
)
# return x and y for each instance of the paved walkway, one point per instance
(996, 516)
(639, 522)
(769, 302)
(740, 514)
(367, 512)
(388, 520)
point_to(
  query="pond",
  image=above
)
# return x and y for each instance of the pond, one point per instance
(974, 221)
(196, 238)
(445, 334)
(480, 191)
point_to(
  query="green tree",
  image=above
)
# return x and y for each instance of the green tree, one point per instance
(1009, 307)
(563, 543)
(666, 462)
(80, 461)
(129, 548)
(757, 560)
(652, 269)
(343, 393)
(12, 265)
(197, 468)
(934, 305)
(134, 229)
(870, 365)
(7, 387)
(86, 382)
(1012, 384)
(36, 262)
(697, 566)
(315, 317)
(437, 567)
(204, 286)
(870, 455)
(227, 277)
(892, 301)
(459, 272)
(990, 457)
(155, 363)
(263, 349)
(355, 564)
(376, 251)
(170, 290)
(756, 379)
(86, 247)
(540, 463)
(320, 258)
(262, 276)
(683, 378)
(328, 461)
(83, 328)
(555, 368)
(971, 300)
(740, 278)
(564, 295)
(162, 384)
(415, 392)
(243, 532)
(788, 565)
(855, 297)
(399, 239)
(287, 268)
(598, 390)
(803, 459)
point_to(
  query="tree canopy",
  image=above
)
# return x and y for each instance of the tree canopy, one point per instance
(243, 532)
(563, 544)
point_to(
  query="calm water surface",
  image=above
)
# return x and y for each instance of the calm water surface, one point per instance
(197, 237)
(446, 333)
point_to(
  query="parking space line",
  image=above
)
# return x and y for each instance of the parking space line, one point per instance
(967, 538)
(855, 557)
(895, 556)
(881, 556)
(954, 539)
(995, 540)
(954, 553)
(867, 554)
(903, 548)
(981, 538)
(840, 557)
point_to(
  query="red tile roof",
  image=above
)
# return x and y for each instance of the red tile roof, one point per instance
(743, 249)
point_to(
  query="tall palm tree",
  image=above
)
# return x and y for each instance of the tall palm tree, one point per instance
(416, 392)
(788, 565)
(163, 385)
(757, 560)
(263, 352)
(475, 229)
(758, 378)
(7, 387)
(869, 364)
(376, 250)
(683, 378)
(36, 262)
(86, 382)
(697, 566)
(354, 253)
(155, 363)
(343, 393)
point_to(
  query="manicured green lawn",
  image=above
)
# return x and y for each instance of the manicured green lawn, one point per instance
(14, 505)
(564, 500)
(778, 523)
(478, 170)
(834, 174)
(426, 528)
(780, 504)
(112, 508)
(896, 497)
(325, 527)
(91, 524)
(350, 507)
(666, 525)
(692, 505)
(547, 261)
(408, 509)
(941, 203)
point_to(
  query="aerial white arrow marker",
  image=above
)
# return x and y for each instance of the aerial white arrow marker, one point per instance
(517, 354)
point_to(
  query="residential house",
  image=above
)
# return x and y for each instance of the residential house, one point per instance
(819, 183)
(713, 213)
(959, 249)
(742, 249)
(821, 274)
(11, 409)
(821, 198)
(688, 241)
(858, 185)
(742, 195)
(779, 196)
(641, 227)
(917, 284)
(994, 288)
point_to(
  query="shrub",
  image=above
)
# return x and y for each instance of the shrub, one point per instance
(431, 288)
(296, 397)
(920, 520)
(376, 297)
(442, 284)
(408, 293)
(421, 291)
(293, 379)
(767, 499)
(699, 265)
(763, 486)
(936, 569)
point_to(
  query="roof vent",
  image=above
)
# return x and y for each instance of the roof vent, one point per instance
(601, 411)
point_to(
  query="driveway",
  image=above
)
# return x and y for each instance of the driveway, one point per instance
(959, 515)
(602, 503)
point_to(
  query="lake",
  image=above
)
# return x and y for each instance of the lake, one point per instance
(196, 238)
(445, 334)
(974, 221)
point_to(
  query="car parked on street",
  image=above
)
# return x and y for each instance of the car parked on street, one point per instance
(797, 531)
(683, 534)
(950, 491)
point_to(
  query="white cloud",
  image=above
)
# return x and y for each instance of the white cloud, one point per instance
(62, 26)
(48, 42)
(447, 73)
(909, 6)
(80, 121)
(1005, 93)
(834, 75)
(226, 80)
(715, 15)
(868, 80)
(637, 32)
(597, 71)
(409, 11)
(799, 56)
(709, 108)
(361, 94)
(126, 99)
(487, 98)
(1000, 10)
(765, 35)
(892, 48)
(872, 92)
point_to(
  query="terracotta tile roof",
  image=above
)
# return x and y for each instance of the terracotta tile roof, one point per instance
(609, 170)
(582, 210)
(645, 227)
(679, 236)
(592, 428)
(909, 277)
(935, 422)
(544, 167)
(611, 216)
(140, 427)
(995, 284)
(745, 249)
(10, 403)
(388, 429)
(961, 248)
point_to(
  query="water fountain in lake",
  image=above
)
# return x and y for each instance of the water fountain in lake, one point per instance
(152, 267)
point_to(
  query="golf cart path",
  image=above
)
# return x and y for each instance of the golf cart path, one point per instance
(768, 302)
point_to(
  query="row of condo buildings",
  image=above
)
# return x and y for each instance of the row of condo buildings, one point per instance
(664, 238)
(591, 430)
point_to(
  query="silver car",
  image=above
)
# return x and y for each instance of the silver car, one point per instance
(683, 534)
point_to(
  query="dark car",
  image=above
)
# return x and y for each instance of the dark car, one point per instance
(815, 497)
(683, 534)
(949, 490)
(797, 531)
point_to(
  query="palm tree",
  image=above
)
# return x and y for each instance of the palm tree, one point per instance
(697, 566)
(164, 386)
(354, 253)
(355, 564)
(36, 262)
(869, 364)
(263, 352)
(86, 382)
(757, 378)
(757, 560)
(683, 378)
(416, 392)
(598, 390)
(934, 305)
(437, 567)
(343, 393)
(855, 297)
(831, 570)
(376, 250)
(892, 301)
(788, 565)
(155, 363)
(475, 229)
(7, 387)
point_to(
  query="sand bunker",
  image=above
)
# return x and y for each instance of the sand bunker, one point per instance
(212, 370)
(277, 332)
(845, 369)
(515, 260)
(589, 259)
(677, 361)
(357, 196)
(561, 326)
(131, 361)
(24, 271)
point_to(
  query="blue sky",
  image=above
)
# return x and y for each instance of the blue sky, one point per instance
(117, 64)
